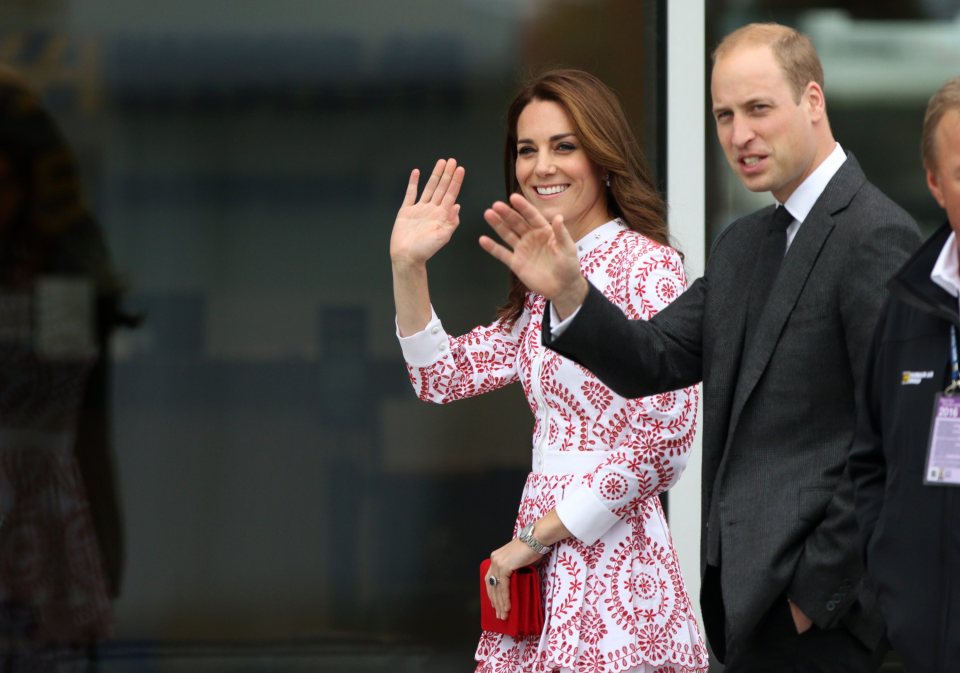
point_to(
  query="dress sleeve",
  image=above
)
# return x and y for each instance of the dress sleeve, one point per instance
(443, 368)
(658, 429)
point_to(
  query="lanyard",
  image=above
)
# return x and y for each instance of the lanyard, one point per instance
(954, 365)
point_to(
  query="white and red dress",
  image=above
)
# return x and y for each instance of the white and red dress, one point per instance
(54, 593)
(614, 598)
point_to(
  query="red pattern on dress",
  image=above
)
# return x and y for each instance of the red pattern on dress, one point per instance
(53, 589)
(619, 604)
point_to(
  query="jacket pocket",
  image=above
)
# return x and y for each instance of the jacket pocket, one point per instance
(812, 502)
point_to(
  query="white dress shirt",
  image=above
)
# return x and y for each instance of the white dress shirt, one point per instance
(800, 203)
(946, 272)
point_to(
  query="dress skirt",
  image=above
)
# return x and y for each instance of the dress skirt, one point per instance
(52, 585)
(616, 605)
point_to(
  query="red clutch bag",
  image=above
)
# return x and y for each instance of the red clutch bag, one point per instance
(526, 606)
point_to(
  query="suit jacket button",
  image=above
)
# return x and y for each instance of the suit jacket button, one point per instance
(831, 606)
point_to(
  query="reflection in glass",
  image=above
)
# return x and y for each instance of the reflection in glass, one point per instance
(60, 534)
(280, 482)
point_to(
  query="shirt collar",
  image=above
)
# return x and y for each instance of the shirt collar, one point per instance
(603, 233)
(946, 272)
(800, 203)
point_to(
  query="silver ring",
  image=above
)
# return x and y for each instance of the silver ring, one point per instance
(493, 581)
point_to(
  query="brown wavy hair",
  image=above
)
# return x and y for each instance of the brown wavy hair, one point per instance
(50, 230)
(605, 135)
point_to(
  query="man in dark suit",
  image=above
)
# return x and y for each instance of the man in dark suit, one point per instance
(777, 329)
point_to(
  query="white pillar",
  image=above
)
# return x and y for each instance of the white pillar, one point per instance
(686, 112)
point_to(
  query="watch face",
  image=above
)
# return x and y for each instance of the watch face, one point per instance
(526, 534)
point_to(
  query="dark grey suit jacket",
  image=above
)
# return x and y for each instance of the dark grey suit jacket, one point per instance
(778, 421)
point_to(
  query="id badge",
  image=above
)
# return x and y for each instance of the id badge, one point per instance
(943, 448)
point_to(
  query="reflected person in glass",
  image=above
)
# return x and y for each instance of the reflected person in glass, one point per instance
(589, 513)
(60, 533)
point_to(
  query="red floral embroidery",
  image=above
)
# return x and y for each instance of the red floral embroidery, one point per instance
(620, 603)
(613, 487)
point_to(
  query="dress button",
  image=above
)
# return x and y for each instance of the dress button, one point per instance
(434, 330)
(442, 347)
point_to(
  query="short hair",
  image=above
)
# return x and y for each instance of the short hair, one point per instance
(945, 99)
(793, 50)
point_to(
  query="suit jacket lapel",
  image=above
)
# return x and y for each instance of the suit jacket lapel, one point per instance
(735, 306)
(797, 265)
(783, 297)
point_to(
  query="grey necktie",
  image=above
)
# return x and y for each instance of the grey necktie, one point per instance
(772, 250)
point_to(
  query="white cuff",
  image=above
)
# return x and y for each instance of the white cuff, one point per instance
(557, 326)
(585, 516)
(426, 346)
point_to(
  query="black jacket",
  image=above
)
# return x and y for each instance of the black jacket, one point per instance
(910, 532)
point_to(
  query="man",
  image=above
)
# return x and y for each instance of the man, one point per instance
(782, 584)
(906, 497)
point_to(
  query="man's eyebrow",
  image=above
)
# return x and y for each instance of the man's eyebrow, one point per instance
(750, 102)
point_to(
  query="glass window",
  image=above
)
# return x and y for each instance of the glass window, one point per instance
(250, 472)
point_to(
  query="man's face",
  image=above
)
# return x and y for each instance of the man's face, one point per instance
(768, 137)
(943, 179)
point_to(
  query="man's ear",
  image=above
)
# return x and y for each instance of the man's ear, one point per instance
(933, 184)
(816, 101)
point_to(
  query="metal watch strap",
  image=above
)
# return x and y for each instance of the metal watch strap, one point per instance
(526, 536)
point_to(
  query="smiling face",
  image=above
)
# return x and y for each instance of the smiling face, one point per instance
(772, 141)
(554, 172)
(943, 178)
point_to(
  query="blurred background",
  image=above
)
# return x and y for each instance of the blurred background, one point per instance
(279, 499)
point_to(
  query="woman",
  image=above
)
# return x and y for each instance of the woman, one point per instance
(60, 532)
(614, 599)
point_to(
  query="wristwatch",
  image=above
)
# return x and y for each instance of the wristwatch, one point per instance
(526, 535)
